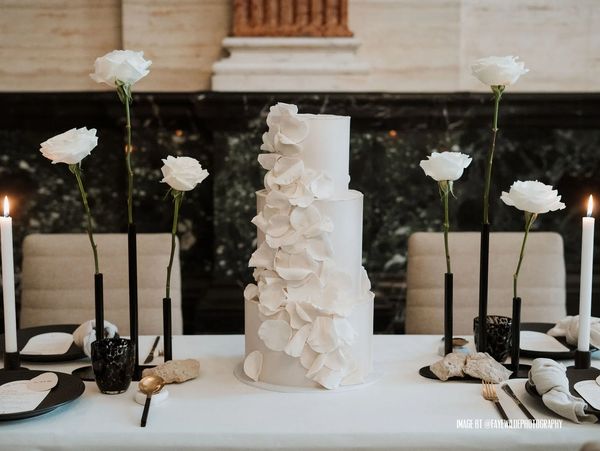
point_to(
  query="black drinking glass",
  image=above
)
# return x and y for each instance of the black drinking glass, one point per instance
(113, 363)
(499, 336)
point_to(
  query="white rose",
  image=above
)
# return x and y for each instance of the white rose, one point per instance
(533, 197)
(70, 147)
(182, 173)
(498, 70)
(125, 66)
(445, 166)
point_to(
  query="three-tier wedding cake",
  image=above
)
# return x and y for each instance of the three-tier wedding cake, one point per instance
(309, 316)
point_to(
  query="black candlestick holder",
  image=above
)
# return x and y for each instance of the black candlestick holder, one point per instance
(167, 329)
(448, 312)
(484, 258)
(12, 361)
(583, 360)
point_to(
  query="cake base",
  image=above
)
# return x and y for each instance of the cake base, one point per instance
(238, 372)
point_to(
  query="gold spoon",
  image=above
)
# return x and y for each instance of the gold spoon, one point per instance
(149, 385)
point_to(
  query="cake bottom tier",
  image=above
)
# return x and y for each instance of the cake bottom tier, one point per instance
(279, 368)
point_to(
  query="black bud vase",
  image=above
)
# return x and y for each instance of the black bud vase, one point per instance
(448, 312)
(167, 329)
(516, 336)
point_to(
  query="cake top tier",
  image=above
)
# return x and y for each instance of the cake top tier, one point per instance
(315, 144)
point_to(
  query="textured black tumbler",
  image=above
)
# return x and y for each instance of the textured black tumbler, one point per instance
(167, 329)
(113, 363)
(448, 307)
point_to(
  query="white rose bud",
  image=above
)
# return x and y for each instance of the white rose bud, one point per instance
(125, 66)
(532, 197)
(498, 70)
(70, 147)
(182, 173)
(445, 166)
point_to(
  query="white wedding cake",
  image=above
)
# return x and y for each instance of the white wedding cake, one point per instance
(309, 317)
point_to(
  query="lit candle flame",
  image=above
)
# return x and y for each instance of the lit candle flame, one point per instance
(590, 205)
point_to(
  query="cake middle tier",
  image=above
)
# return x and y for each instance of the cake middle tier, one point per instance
(345, 213)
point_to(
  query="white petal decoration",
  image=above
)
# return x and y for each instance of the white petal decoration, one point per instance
(267, 160)
(294, 128)
(287, 170)
(250, 292)
(296, 344)
(306, 220)
(294, 266)
(285, 146)
(260, 222)
(308, 290)
(307, 312)
(272, 295)
(253, 365)
(290, 238)
(317, 365)
(307, 358)
(322, 186)
(323, 337)
(268, 142)
(276, 199)
(263, 257)
(278, 225)
(319, 248)
(295, 320)
(275, 334)
(328, 378)
(365, 283)
(344, 331)
(266, 313)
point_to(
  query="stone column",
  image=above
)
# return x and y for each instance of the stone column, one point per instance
(316, 18)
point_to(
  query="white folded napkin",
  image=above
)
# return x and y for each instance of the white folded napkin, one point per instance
(85, 334)
(569, 328)
(551, 383)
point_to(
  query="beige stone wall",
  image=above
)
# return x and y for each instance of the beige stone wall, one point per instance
(411, 45)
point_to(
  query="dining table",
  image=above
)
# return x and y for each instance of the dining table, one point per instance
(396, 410)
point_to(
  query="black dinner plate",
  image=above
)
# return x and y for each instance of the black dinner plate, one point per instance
(574, 376)
(543, 328)
(23, 336)
(428, 374)
(66, 390)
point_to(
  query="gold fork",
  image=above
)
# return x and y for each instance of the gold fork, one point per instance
(489, 393)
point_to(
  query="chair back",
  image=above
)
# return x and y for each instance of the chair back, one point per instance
(541, 283)
(58, 280)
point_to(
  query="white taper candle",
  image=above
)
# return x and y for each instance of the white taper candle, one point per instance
(8, 280)
(585, 284)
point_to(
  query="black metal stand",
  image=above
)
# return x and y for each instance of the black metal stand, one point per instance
(583, 360)
(448, 312)
(484, 257)
(133, 296)
(516, 335)
(167, 330)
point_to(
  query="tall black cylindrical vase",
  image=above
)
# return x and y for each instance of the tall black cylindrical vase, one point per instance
(99, 305)
(133, 295)
(484, 258)
(167, 329)
(448, 312)
(516, 335)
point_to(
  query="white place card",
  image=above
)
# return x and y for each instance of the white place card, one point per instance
(16, 397)
(52, 343)
(590, 391)
(540, 342)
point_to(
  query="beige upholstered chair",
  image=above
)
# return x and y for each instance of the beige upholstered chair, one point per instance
(58, 280)
(541, 281)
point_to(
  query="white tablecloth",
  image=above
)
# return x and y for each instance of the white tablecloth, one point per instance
(401, 410)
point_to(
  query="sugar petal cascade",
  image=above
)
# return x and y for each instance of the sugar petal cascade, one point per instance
(303, 299)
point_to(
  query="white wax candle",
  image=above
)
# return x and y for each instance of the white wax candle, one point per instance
(585, 284)
(8, 280)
